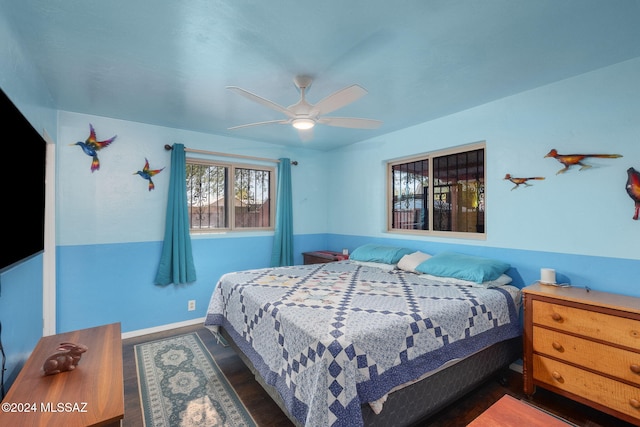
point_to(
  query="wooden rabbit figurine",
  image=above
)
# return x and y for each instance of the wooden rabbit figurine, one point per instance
(66, 359)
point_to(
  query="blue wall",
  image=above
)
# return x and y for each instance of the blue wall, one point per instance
(20, 312)
(617, 275)
(120, 287)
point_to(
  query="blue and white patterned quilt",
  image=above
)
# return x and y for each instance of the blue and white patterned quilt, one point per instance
(332, 336)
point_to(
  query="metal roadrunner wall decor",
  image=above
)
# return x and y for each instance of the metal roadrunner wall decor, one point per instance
(521, 181)
(569, 160)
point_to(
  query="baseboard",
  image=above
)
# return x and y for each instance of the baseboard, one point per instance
(162, 328)
(516, 366)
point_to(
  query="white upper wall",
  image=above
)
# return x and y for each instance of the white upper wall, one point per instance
(579, 212)
(113, 204)
(343, 191)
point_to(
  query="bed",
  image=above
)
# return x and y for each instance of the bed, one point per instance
(363, 342)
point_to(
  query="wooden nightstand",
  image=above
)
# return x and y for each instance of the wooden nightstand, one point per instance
(584, 345)
(321, 257)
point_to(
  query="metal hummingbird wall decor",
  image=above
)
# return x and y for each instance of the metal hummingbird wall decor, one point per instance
(147, 173)
(91, 146)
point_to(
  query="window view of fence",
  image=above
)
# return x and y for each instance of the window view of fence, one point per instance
(439, 192)
(410, 191)
(229, 196)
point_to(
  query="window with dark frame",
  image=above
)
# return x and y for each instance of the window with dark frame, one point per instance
(226, 196)
(439, 192)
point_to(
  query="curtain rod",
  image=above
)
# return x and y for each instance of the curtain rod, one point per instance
(215, 153)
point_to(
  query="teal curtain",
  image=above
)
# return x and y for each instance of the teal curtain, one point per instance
(282, 253)
(176, 262)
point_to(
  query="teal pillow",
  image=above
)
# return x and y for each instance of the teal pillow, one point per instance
(467, 267)
(379, 253)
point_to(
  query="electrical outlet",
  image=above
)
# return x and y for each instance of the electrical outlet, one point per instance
(192, 305)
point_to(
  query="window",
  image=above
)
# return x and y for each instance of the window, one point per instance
(223, 196)
(439, 193)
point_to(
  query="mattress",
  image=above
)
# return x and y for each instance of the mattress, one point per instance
(329, 337)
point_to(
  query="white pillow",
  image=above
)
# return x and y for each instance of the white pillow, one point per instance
(380, 265)
(500, 281)
(411, 261)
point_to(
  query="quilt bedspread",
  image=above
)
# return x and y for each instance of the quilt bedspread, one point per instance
(332, 336)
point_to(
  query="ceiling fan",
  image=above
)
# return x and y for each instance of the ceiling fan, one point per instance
(303, 116)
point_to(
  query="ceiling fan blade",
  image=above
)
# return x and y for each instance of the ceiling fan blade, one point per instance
(340, 99)
(270, 122)
(350, 122)
(260, 100)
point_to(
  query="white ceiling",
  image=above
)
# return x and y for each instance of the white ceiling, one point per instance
(167, 62)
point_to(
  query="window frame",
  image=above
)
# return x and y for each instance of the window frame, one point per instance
(429, 156)
(230, 189)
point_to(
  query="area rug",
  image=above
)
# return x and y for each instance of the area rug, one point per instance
(182, 386)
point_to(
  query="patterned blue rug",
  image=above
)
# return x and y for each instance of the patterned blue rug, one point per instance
(181, 385)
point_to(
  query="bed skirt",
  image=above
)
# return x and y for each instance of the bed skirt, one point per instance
(423, 399)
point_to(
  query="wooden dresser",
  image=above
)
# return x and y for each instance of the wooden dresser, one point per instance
(584, 345)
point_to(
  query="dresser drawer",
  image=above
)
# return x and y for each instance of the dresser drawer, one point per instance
(607, 392)
(617, 362)
(600, 326)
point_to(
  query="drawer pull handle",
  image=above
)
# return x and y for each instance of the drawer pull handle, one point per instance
(635, 403)
(556, 376)
(556, 317)
(635, 368)
(557, 346)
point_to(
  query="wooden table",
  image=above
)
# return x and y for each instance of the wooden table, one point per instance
(510, 412)
(90, 395)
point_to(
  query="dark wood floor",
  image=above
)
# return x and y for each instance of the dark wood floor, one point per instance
(267, 414)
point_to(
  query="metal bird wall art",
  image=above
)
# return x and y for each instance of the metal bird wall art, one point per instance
(633, 189)
(91, 146)
(147, 173)
(569, 160)
(521, 181)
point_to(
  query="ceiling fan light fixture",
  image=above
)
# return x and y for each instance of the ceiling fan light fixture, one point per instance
(303, 124)
(303, 116)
